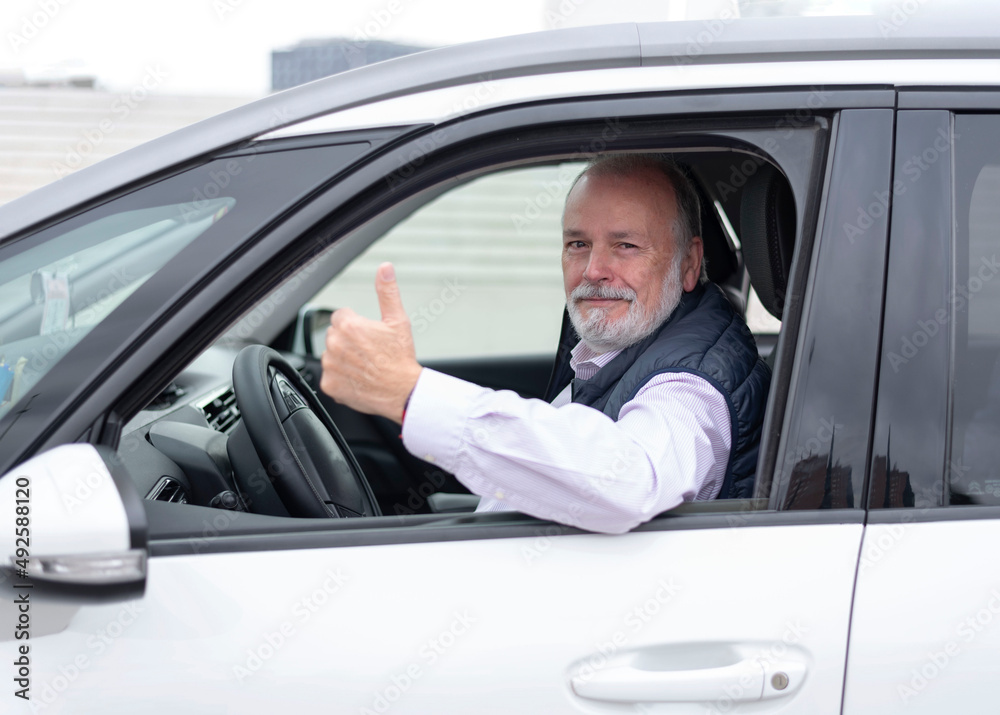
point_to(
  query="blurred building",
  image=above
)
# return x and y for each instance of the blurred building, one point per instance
(51, 129)
(314, 59)
(59, 76)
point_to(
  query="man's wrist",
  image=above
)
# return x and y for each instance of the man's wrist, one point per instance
(406, 405)
(409, 393)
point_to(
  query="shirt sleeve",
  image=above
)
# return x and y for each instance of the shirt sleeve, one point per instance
(574, 464)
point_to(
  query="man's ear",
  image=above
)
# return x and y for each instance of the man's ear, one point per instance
(691, 264)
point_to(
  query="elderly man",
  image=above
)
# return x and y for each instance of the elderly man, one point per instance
(659, 402)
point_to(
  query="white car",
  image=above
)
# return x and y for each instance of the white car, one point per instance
(158, 559)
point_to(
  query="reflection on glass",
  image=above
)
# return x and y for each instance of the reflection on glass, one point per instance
(973, 475)
(890, 490)
(53, 294)
(818, 483)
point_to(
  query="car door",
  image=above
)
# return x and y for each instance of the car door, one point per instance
(715, 606)
(923, 636)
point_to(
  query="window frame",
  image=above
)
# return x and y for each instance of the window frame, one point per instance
(496, 140)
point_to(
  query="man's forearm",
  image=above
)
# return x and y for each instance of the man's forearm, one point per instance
(572, 464)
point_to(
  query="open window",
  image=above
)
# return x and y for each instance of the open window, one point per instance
(479, 269)
(474, 236)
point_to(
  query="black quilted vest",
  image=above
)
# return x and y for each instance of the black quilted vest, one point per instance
(703, 336)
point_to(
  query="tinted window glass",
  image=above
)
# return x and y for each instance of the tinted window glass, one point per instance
(54, 293)
(974, 469)
(826, 426)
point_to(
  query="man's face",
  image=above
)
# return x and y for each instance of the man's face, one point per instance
(620, 272)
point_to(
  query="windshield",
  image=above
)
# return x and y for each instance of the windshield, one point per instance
(54, 293)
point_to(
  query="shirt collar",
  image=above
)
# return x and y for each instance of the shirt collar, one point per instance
(585, 362)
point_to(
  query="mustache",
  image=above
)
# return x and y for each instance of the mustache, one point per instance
(597, 290)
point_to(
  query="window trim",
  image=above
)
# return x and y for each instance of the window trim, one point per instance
(430, 528)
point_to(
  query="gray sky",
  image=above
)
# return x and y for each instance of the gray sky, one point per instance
(223, 46)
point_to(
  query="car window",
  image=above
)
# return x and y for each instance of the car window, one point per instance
(54, 293)
(973, 312)
(493, 241)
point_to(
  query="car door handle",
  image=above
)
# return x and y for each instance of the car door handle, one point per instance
(744, 681)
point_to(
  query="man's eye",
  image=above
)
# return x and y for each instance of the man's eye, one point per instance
(628, 245)
(576, 244)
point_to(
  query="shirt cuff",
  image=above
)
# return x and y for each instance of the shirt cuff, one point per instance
(435, 418)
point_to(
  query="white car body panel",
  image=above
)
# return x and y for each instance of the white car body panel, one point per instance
(405, 628)
(925, 637)
(441, 105)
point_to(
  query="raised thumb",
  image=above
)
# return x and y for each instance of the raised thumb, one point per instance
(389, 300)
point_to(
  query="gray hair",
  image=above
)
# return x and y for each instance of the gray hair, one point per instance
(688, 222)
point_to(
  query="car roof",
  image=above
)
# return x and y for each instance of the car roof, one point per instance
(725, 41)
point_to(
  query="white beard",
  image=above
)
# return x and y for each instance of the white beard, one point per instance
(602, 334)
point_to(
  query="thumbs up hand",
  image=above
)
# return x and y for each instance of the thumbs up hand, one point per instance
(370, 365)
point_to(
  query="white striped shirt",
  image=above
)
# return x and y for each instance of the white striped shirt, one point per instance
(568, 462)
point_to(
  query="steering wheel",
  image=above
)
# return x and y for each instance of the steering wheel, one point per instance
(309, 463)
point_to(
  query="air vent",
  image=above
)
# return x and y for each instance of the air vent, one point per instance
(168, 489)
(221, 412)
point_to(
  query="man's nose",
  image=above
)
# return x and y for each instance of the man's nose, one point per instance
(598, 266)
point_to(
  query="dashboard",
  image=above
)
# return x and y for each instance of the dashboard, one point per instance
(176, 449)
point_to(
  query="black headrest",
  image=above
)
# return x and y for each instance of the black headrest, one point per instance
(724, 266)
(767, 232)
(723, 262)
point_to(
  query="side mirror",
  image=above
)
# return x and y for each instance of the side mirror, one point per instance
(77, 525)
(310, 330)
